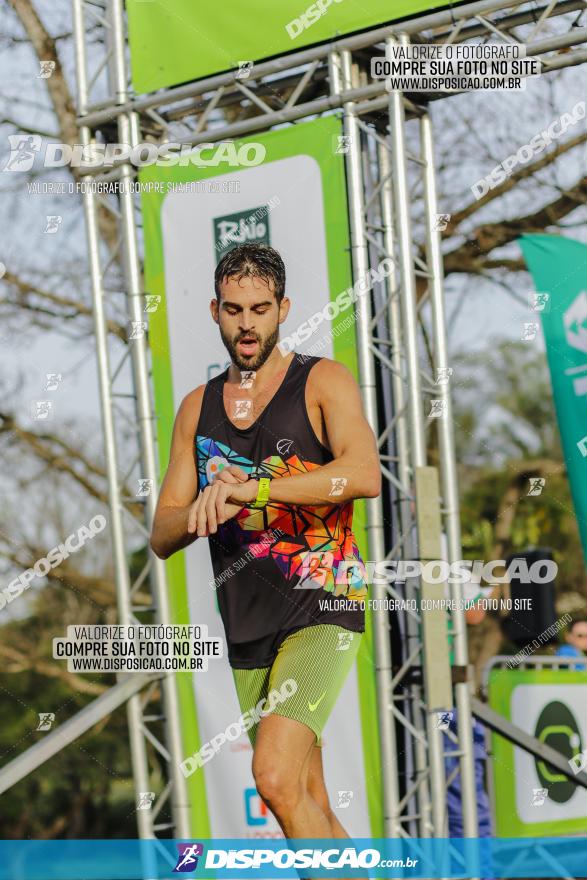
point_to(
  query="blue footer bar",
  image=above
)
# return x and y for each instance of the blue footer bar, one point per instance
(235, 858)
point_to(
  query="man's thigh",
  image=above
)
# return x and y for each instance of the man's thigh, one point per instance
(252, 686)
(309, 671)
(304, 681)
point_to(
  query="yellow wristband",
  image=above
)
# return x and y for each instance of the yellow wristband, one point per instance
(262, 493)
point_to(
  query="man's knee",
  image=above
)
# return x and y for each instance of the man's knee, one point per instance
(276, 784)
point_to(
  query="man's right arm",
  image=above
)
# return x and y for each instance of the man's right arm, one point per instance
(180, 485)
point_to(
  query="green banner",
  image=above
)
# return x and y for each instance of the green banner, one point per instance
(175, 41)
(559, 270)
(533, 798)
(294, 200)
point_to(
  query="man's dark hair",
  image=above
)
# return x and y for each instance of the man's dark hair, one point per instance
(253, 261)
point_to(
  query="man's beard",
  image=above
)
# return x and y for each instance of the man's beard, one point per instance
(266, 346)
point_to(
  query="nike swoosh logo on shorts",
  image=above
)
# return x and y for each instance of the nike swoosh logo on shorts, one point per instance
(313, 706)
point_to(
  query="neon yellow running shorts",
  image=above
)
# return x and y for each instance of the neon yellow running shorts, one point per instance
(305, 679)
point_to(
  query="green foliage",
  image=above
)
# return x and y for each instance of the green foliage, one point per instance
(503, 406)
(85, 790)
(506, 403)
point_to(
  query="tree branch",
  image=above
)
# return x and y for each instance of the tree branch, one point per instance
(26, 129)
(16, 661)
(71, 308)
(45, 48)
(470, 256)
(524, 172)
(62, 457)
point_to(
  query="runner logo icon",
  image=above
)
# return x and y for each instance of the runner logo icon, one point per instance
(187, 858)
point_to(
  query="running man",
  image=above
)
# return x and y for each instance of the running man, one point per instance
(266, 460)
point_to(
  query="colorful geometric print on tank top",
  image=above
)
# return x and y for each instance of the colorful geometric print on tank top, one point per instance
(273, 567)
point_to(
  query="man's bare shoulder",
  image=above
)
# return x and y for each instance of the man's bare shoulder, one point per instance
(328, 377)
(189, 411)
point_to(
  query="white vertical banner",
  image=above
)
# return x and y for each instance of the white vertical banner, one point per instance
(296, 201)
(285, 200)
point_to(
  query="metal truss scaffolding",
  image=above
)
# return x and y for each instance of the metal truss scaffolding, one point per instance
(159, 704)
(390, 361)
(402, 354)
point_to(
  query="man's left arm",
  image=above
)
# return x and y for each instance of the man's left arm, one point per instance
(355, 470)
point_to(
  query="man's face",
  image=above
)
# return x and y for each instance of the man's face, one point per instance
(248, 317)
(577, 636)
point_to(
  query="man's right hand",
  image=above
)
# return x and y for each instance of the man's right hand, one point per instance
(211, 509)
(183, 513)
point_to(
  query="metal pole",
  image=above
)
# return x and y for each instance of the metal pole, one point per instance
(415, 751)
(340, 77)
(415, 409)
(128, 133)
(394, 322)
(449, 485)
(137, 743)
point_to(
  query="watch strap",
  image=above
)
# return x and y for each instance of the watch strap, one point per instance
(262, 493)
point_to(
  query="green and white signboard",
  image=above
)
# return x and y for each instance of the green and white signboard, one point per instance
(175, 41)
(295, 200)
(533, 798)
(250, 226)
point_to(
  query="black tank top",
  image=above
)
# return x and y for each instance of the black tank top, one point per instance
(260, 557)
